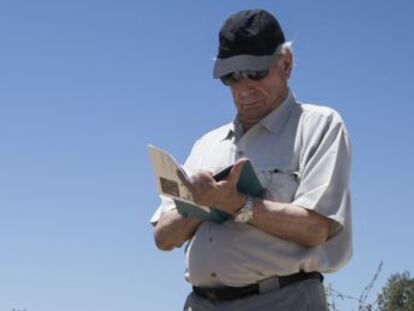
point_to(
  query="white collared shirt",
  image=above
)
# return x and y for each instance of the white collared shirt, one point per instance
(302, 155)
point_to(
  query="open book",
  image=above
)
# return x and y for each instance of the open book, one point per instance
(170, 185)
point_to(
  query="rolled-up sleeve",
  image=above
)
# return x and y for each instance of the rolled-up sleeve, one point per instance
(325, 171)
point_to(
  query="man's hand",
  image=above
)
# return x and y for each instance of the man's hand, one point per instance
(222, 195)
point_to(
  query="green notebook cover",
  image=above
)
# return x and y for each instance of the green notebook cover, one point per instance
(248, 184)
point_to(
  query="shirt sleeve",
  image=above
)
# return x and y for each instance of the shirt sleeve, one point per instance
(325, 171)
(166, 204)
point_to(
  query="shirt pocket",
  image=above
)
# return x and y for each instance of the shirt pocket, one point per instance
(280, 184)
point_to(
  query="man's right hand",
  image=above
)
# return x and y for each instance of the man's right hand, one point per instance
(222, 194)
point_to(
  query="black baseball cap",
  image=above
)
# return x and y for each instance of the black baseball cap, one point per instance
(248, 40)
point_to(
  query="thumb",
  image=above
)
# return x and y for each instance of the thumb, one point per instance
(184, 179)
(236, 171)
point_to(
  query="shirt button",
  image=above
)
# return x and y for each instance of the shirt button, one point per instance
(213, 274)
(210, 239)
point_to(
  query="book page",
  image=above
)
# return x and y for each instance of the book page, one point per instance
(168, 182)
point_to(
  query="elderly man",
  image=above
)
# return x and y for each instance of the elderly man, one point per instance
(270, 255)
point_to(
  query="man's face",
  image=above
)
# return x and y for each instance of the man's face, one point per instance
(254, 99)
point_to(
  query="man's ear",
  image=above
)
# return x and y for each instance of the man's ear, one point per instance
(287, 63)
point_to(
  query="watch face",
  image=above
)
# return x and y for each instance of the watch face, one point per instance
(246, 213)
(244, 216)
(248, 216)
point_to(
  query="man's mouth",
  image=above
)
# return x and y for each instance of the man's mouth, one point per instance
(250, 105)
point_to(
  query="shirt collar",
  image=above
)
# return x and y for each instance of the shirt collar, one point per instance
(231, 130)
(274, 122)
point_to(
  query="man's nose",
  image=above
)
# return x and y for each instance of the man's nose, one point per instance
(244, 87)
(244, 92)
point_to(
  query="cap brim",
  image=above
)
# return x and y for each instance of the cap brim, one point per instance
(223, 66)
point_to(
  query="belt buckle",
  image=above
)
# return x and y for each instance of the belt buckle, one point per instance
(269, 284)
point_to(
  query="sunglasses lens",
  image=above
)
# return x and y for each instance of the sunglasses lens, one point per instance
(257, 75)
(234, 77)
(227, 79)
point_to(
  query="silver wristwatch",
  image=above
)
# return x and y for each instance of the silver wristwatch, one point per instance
(245, 214)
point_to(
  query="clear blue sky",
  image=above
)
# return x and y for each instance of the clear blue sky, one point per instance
(86, 85)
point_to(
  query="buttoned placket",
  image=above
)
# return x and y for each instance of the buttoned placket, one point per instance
(240, 151)
(212, 273)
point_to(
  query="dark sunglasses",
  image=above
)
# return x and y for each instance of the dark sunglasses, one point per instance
(236, 76)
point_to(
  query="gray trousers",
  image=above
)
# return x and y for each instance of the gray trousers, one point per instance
(307, 295)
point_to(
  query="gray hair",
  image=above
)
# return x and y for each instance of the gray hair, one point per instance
(284, 48)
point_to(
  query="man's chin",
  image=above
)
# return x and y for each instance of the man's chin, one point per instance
(254, 109)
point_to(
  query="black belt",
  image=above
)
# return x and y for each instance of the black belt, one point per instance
(230, 293)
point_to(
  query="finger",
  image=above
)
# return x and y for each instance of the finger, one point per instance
(236, 171)
(203, 181)
(184, 179)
